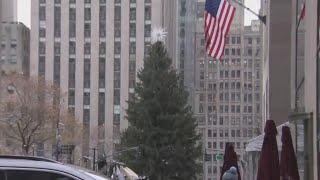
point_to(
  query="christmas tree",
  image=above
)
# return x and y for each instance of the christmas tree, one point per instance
(161, 123)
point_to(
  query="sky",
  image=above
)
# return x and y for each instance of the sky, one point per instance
(24, 11)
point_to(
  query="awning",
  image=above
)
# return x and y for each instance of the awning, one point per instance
(255, 144)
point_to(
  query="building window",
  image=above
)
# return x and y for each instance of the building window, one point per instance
(87, 30)
(117, 13)
(147, 14)
(56, 70)
(42, 48)
(209, 133)
(72, 73)
(102, 73)
(101, 109)
(42, 13)
(116, 99)
(87, 68)
(239, 40)
(147, 30)
(132, 48)
(72, 1)
(87, 48)
(233, 39)
(42, 32)
(117, 47)
(72, 47)
(87, 14)
(56, 48)
(132, 14)
(132, 30)
(86, 98)
(42, 66)
(86, 116)
(249, 40)
(102, 48)
(87, 1)
(71, 97)
(57, 21)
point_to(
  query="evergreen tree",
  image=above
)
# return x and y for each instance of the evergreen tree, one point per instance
(161, 123)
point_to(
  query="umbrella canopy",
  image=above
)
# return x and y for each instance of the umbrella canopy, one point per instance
(230, 159)
(269, 159)
(288, 161)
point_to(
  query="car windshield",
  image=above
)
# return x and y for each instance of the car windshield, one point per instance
(97, 177)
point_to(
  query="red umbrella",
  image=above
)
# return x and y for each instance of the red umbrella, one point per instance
(269, 159)
(230, 159)
(288, 160)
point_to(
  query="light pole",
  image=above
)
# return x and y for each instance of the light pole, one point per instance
(33, 150)
(58, 134)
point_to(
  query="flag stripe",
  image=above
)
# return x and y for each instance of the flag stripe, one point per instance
(218, 18)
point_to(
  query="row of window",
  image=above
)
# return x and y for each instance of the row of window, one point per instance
(235, 133)
(233, 108)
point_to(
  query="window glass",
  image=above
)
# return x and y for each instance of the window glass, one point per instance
(33, 175)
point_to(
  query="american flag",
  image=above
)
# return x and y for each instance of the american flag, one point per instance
(218, 17)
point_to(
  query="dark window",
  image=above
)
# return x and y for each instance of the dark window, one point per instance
(56, 70)
(102, 29)
(42, 65)
(87, 14)
(87, 48)
(42, 32)
(147, 30)
(238, 40)
(42, 13)
(42, 1)
(132, 49)
(132, 14)
(102, 72)
(87, 73)
(87, 1)
(87, 30)
(102, 48)
(117, 47)
(72, 73)
(117, 13)
(102, 13)
(102, 1)
(72, 47)
(233, 40)
(117, 65)
(86, 98)
(116, 99)
(132, 30)
(71, 97)
(86, 116)
(42, 48)
(101, 109)
(57, 21)
(249, 40)
(57, 48)
(147, 14)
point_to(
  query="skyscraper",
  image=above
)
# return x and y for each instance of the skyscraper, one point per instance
(227, 100)
(93, 50)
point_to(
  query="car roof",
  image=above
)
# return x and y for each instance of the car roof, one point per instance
(41, 164)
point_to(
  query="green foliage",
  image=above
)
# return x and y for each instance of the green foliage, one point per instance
(161, 123)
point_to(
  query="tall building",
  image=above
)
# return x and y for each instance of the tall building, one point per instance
(9, 10)
(93, 50)
(227, 96)
(15, 47)
(305, 79)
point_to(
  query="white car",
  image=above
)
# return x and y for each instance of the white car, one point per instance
(36, 168)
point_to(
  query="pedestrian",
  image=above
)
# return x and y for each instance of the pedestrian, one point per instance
(230, 174)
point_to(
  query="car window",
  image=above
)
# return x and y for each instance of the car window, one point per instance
(2, 175)
(34, 175)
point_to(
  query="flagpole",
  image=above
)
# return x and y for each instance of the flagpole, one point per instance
(262, 18)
